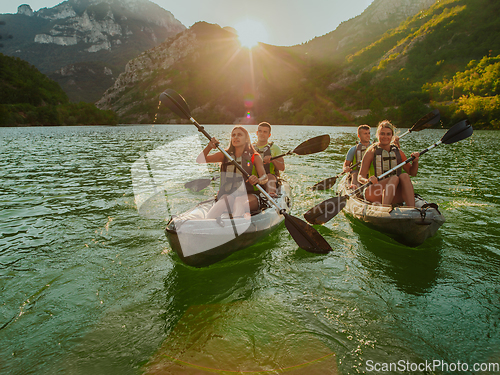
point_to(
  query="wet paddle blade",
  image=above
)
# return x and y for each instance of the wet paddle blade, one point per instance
(458, 132)
(427, 121)
(176, 103)
(325, 184)
(313, 145)
(326, 210)
(198, 185)
(306, 236)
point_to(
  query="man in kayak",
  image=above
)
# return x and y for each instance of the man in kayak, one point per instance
(267, 150)
(356, 153)
(235, 195)
(381, 157)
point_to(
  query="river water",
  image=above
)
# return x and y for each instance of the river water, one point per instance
(88, 286)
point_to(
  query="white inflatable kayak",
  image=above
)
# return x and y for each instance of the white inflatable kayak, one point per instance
(200, 242)
(407, 225)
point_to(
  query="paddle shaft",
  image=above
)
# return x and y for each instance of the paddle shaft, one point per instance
(280, 156)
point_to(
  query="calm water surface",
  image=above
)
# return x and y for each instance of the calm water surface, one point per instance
(90, 287)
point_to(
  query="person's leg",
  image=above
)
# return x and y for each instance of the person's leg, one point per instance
(354, 180)
(220, 206)
(245, 204)
(390, 190)
(374, 193)
(406, 192)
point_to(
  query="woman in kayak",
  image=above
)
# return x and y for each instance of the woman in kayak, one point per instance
(379, 158)
(236, 195)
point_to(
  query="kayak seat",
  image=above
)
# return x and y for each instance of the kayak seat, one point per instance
(263, 205)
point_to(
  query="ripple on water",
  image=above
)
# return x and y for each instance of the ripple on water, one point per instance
(87, 284)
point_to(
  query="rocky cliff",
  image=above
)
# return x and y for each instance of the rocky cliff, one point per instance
(86, 36)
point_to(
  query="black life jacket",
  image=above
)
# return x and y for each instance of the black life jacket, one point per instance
(231, 178)
(384, 161)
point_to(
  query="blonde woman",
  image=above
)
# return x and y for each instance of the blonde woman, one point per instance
(379, 158)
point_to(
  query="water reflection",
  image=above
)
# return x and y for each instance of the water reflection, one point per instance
(218, 319)
(413, 271)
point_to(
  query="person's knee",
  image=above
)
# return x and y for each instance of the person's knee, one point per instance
(404, 178)
(394, 180)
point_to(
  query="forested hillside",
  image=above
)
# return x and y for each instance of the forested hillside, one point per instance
(406, 66)
(28, 97)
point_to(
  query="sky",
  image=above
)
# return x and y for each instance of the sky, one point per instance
(277, 22)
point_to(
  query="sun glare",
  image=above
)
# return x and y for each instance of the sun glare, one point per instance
(251, 32)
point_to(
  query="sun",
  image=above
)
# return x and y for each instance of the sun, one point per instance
(251, 32)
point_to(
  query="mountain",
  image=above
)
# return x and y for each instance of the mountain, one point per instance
(207, 64)
(92, 40)
(397, 72)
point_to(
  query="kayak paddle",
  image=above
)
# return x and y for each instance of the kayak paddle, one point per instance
(199, 184)
(304, 235)
(311, 146)
(329, 208)
(425, 122)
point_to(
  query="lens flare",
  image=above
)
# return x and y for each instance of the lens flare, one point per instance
(251, 32)
(248, 100)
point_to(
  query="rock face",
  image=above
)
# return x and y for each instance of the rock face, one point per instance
(381, 10)
(102, 32)
(140, 68)
(98, 26)
(25, 9)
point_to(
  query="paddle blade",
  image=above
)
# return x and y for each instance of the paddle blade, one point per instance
(427, 121)
(306, 236)
(458, 132)
(198, 185)
(326, 210)
(325, 184)
(176, 103)
(313, 145)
